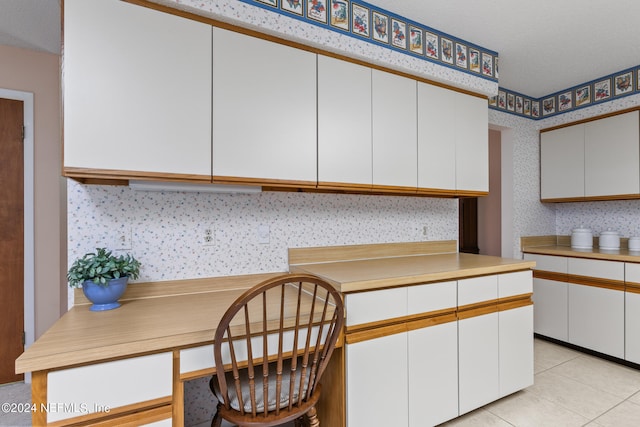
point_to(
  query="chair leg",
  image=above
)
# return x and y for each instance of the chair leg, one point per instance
(217, 419)
(312, 416)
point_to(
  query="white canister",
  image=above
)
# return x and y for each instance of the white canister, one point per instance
(581, 238)
(634, 244)
(609, 240)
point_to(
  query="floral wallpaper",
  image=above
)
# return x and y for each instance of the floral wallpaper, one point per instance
(167, 229)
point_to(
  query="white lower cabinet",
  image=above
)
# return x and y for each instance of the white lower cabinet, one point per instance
(632, 330)
(377, 379)
(433, 375)
(632, 313)
(478, 361)
(550, 298)
(596, 314)
(431, 371)
(516, 334)
(122, 382)
(596, 319)
(516, 349)
(550, 308)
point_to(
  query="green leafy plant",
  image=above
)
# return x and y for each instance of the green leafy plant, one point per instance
(102, 266)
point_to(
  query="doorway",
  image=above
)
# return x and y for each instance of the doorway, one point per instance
(485, 223)
(11, 237)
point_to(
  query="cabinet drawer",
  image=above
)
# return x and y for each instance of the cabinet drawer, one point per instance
(477, 289)
(196, 358)
(517, 283)
(121, 382)
(432, 297)
(596, 268)
(557, 264)
(632, 273)
(374, 306)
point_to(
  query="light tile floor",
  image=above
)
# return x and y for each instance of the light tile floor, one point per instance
(570, 389)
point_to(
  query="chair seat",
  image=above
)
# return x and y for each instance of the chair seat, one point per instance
(272, 379)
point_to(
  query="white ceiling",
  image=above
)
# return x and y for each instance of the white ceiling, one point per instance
(545, 45)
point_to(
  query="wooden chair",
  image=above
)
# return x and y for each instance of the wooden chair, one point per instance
(275, 341)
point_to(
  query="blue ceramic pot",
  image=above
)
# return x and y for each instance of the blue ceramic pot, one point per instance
(105, 297)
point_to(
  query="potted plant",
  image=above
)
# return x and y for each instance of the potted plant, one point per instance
(103, 277)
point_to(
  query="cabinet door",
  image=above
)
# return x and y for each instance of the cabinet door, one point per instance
(478, 365)
(612, 151)
(596, 319)
(433, 375)
(550, 298)
(344, 122)
(436, 137)
(550, 308)
(135, 99)
(632, 327)
(472, 143)
(632, 313)
(516, 349)
(562, 163)
(377, 379)
(395, 143)
(264, 110)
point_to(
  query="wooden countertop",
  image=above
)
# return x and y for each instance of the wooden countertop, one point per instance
(595, 253)
(139, 326)
(170, 316)
(368, 274)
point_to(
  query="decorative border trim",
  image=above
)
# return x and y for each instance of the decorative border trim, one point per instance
(378, 26)
(603, 89)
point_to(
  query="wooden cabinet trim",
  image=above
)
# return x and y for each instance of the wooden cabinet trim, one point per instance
(616, 285)
(477, 309)
(550, 275)
(591, 119)
(86, 174)
(398, 320)
(632, 287)
(217, 179)
(514, 302)
(150, 410)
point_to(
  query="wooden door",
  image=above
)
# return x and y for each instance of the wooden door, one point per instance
(11, 238)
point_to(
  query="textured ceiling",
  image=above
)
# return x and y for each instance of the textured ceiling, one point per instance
(31, 24)
(545, 45)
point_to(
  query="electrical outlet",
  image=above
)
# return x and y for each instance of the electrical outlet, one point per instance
(122, 239)
(208, 238)
(263, 234)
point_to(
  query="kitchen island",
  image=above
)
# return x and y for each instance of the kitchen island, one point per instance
(129, 365)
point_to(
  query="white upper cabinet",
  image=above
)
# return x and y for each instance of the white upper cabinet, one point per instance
(472, 143)
(344, 123)
(436, 138)
(599, 158)
(394, 131)
(137, 90)
(264, 110)
(612, 156)
(562, 163)
(453, 147)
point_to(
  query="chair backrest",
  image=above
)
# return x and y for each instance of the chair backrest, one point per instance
(283, 330)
